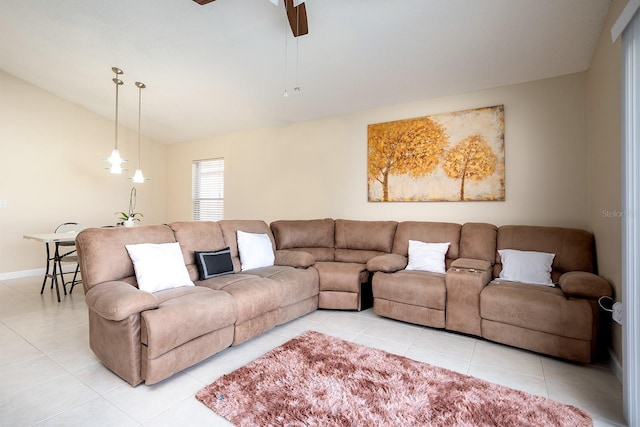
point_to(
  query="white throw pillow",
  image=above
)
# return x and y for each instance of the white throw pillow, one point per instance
(255, 250)
(159, 266)
(526, 266)
(427, 256)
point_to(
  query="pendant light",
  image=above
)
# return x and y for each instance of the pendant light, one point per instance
(115, 160)
(138, 177)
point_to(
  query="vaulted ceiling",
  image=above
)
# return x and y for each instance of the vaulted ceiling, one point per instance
(223, 67)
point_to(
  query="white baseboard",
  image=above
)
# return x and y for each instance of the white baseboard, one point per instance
(615, 366)
(35, 272)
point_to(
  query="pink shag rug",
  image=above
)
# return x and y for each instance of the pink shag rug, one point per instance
(318, 380)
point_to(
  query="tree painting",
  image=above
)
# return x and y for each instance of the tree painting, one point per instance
(471, 158)
(455, 156)
(412, 147)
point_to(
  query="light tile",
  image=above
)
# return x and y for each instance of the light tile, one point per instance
(446, 343)
(99, 378)
(391, 330)
(189, 409)
(29, 373)
(95, 413)
(530, 384)
(44, 401)
(16, 349)
(488, 355)
(147, 401)
(74, 358)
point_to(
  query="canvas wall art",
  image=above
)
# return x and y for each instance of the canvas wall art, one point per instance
(455, 156)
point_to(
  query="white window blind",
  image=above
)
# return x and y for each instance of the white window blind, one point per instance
(207, 177)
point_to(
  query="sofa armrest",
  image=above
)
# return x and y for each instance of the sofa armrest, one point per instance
(298, 259)
(471, 264)
(115, 300)
(464, 284)
(387, 263)
(584, 284)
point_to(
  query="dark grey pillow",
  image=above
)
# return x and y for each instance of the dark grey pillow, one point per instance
(212, 264)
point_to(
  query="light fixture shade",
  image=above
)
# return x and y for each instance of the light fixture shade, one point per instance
(116, 162)
(116, 169)
(115, 158)
(138, 177)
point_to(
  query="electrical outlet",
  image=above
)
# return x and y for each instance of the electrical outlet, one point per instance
(3, 203)
(617, 312)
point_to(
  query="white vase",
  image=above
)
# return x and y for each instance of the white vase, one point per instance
(129, 223)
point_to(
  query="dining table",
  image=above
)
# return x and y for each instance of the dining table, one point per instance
(56, 239)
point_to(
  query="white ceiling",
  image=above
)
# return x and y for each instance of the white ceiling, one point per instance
(220, 68)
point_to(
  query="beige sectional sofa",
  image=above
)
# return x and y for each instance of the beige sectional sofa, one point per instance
(333, 264)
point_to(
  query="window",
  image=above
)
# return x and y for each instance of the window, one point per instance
(207, 177)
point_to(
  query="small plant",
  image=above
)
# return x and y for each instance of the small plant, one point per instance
(129, 217)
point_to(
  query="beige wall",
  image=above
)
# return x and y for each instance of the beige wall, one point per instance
(52, 171)
(604, 118)
(317, 168)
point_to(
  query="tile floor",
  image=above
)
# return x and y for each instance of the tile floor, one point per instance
(50, 377)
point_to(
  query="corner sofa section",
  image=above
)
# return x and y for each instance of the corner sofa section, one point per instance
(341, 249)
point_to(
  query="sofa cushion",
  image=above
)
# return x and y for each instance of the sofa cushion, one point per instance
(183, 315)
(429, 232)
(574, 249)
(539, 308)
(427, 256)
(219, 282)
(300, 234)
(254, 297)
(158, 266)
(526, 266)
(255, 250)
(102, 254)
(374, 236)
(478, 241)
(341, 276)
(212, 264)
(417, 288)
(197, 236)
(229, 229)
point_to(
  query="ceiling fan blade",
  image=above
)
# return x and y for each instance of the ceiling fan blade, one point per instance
(297, 16)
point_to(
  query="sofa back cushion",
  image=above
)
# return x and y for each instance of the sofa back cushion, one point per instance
(229, 229)
(359, 241)
(574, 249)
(478, 241)
(428, 232)
(202, 236)
(102, 254)
(315, 236)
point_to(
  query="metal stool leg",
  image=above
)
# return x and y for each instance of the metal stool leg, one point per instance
(46, 274)
(55, 273)
(74, 282)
